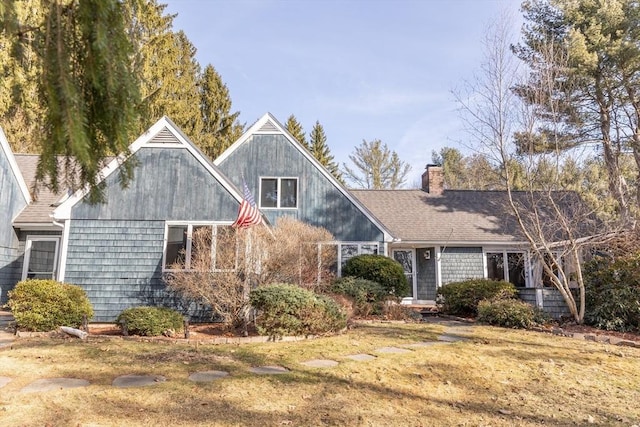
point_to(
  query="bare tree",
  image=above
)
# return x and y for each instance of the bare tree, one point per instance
(557, 224)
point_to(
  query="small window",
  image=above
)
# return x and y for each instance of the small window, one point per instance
(40, 258)
(513, 270)
(279, 193)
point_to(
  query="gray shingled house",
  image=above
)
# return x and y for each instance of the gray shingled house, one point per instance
(118, 251)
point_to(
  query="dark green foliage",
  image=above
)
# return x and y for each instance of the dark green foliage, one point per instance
(368, 296)
(386, 271)
(150, 321)
(291, 310)
(44, 305)
(612, 292)
(507, 312)
(462, 298)
(90, 92)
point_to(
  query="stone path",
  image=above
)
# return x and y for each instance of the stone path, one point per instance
(451, 334)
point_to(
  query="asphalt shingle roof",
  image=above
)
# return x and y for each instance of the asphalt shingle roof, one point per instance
(42, 206)
(463, 216)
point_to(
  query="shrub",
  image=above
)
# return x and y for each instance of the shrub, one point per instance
(612, 293)
(150, 321)
(381, 269)
(507, 312)
(368, 296)
(44, 305)
(291, 310)
(462, 298)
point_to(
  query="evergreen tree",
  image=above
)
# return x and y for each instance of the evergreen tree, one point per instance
(376, 167)
(86, 86)
(295, 129)
(320, 150)
(220, 127)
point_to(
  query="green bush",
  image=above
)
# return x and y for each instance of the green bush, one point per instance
(291, 310)
(612, 293)
(368, 296)
(462, 298)
(150, 321)
(507, 312)
(44, 305)
(381, 269)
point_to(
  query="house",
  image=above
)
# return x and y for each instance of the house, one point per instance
(118, 251)
(442, 236)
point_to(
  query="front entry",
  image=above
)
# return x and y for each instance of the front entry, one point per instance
(419, 266)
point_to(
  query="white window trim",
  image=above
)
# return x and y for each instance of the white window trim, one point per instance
(27, 253)
(504, 252)
(278, 187)
(190, 225)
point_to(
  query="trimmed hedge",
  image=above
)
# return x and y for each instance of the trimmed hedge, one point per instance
(507, 312)
(612, 293)
(150, 321)
(381, 269)
(462, 298)
(368, 296)
(44, 305)
(291, 310)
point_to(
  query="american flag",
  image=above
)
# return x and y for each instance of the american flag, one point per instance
(248, 214)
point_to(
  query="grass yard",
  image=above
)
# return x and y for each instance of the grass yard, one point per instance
(498, 377)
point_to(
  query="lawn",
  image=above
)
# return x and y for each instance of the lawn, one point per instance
(497, 377)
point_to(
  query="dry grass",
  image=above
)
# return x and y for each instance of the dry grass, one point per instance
(499, 378)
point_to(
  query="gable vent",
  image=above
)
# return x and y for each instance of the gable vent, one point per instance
(164, 137)
(268, 127)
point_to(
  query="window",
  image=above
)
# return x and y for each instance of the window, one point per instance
(279, 193)
(343, 251)
(200, 246)
(508, 266)
(40, 257)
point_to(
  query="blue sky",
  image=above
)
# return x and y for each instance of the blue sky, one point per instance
(376, 69)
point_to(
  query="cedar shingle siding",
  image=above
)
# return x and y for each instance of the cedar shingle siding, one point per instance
(461, 264)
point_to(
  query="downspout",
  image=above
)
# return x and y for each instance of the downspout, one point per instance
(64, 245)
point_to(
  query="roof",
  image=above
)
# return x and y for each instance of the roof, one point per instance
(455, 217)
(41, 206)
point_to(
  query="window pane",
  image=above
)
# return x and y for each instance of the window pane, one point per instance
(201, 248)
(225, 248)
(369, 249)
(269, 193)
(330, 258)
(42, 259)
(176, 246)
(347, 252)
(288, 193)
(495, 266)
(547, 281)
(516, 269)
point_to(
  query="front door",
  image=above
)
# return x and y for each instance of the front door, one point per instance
(407, 259)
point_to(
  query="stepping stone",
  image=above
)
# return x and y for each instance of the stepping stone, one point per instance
(126, 381)
(361, 357)
(207, 376)
(421, 344)
(390, 350)
(451, 338)
(267, 370)
(4, 381)
(320, 363)
(49, 384)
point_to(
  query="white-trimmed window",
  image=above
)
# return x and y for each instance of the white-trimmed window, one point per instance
(510, 266)
(278, 193)
(347, 250)
(40, 257)
(189, 246)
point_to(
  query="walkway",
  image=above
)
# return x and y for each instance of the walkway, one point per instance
(454, 332)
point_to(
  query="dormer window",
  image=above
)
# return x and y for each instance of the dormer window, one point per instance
(278, 193)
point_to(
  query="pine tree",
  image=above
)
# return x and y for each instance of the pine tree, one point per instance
(376, 167)
(295, 129)
(320, 150)
(220, 127)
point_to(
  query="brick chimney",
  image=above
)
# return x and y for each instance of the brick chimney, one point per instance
(433, 180)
